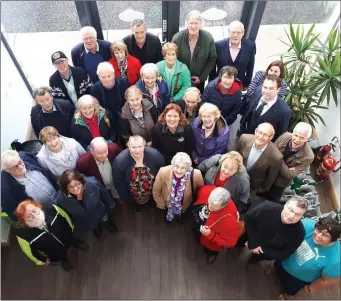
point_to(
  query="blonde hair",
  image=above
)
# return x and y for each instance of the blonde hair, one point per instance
(234, 159)
(211, 108)
(120, 46)
(86, 100)
(169, 47)
(132, 90)
(47, 133)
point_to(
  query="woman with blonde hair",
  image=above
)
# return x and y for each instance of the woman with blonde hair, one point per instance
(91, 121)
(138, 116)
(228, 171)
(211, 133)
(126, 66)
(175, 73)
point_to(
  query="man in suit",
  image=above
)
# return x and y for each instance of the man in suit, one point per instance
(267, 107)
(237, 52)
(142, 44)
(261, 157)
(297, 157)
(98, 161)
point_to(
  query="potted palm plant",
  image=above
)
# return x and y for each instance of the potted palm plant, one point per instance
(312, 72)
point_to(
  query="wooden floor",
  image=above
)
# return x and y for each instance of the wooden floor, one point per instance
(145, 260)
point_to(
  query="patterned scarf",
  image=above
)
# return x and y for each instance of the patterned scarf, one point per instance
(138, 117)
(154, 93)
(175, 202)
(123, 68)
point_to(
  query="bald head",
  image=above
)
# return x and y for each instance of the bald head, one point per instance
(264, 134)
(99, 149)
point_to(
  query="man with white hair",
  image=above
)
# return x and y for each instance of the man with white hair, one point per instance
(196, 49)
(109, 91)
(98, 161)
(237, 52)
(90, 52)
(142, 44)
(297, 157)
(23, 178)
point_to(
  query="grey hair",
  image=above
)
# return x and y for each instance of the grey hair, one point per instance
(196, 15)
(300, 201)
(135, 137)
(182, 158)
(105, 66)
(8, 155)
(219, 196)
(149, 68)
(236, 24)
(41, 91)
(88, 29)
(138, 23)
(303, 127)
(96, 141)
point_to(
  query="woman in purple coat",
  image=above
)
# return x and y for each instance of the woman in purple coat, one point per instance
(211, 133)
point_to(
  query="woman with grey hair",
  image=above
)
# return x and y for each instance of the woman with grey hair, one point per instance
(153, 87)
(196, 49)
(216, 218)
(176, 185)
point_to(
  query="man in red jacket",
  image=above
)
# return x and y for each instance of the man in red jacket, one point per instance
(216, 220)
(98, 163)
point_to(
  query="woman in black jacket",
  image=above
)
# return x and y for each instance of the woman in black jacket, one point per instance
(91, 121)
(190, 104)
(172, 134)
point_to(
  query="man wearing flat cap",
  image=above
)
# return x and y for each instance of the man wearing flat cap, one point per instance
(68, 82)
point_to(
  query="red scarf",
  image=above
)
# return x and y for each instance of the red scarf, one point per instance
(93, 126)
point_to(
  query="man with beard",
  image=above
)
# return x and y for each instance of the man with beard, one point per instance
(46, 234)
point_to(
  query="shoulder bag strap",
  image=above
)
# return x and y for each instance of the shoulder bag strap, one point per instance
(210, 226)
(192, 186)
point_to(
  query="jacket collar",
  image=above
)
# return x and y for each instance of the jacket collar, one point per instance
(164, 130)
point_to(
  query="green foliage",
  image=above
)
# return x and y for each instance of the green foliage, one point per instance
(312, 72)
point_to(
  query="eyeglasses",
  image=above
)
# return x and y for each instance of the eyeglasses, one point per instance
(323, 232)
(17, 166)
(293, 211)
(262, 134)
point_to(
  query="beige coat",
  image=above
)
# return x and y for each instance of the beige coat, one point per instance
(301, 161)
(163, 186)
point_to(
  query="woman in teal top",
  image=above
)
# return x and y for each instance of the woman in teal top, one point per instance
(175, 73)
(315, 264)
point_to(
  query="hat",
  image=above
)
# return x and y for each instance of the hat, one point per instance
(58, 55)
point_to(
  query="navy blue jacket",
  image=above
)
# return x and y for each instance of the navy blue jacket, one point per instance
(12, 192)
(77, 53)
(278, 115)
(244, 61)
(228, 104)
(95, 204)
(66, 110)
(81, 80)
(122, 169)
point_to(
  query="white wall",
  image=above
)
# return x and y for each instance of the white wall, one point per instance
(16, 102)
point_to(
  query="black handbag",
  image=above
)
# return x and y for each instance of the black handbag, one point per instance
(32, 146)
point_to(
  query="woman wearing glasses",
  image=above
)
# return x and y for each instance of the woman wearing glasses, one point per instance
(315, 265)
(87, 201)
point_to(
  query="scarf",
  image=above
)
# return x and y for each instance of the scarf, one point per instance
(93, 126)
(123, 65)
(139, 118)
(177, 195)
(154, 93)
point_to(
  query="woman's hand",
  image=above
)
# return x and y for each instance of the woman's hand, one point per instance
(205, 230)
(195, 80)
(47, 262)
(149, 143)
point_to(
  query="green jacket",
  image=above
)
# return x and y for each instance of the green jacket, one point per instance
(184, 82)
(204, 56)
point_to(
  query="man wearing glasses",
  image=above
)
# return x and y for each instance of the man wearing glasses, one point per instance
(297, 157)
(23, 178)
(274, 231)
(261, 157)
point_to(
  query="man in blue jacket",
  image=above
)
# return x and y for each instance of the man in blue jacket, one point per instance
(237, 52)
(90, 52)
(23, 178)
(266, 106)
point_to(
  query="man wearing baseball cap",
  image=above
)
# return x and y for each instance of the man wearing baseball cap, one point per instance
(68, 82)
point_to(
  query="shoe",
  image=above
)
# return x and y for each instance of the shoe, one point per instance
(269, 270)
(180, 219)
(66, 265)
(110, 226)
(81, 245)
(211, 258)
(98, 231)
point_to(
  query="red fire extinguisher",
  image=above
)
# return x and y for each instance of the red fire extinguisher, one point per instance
(326, 167)
(322, 152)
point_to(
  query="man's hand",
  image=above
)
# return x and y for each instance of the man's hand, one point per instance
(196, 161)
(149, 143)
(205, 230)
(195, 80)
(47, 262)
(257, 250)
(292, 168)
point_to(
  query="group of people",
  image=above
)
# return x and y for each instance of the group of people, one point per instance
(133, 121)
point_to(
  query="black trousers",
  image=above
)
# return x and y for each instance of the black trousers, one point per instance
(274, 194)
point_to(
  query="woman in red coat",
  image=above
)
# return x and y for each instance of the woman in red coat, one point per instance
(126, 66)
(216, 220)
